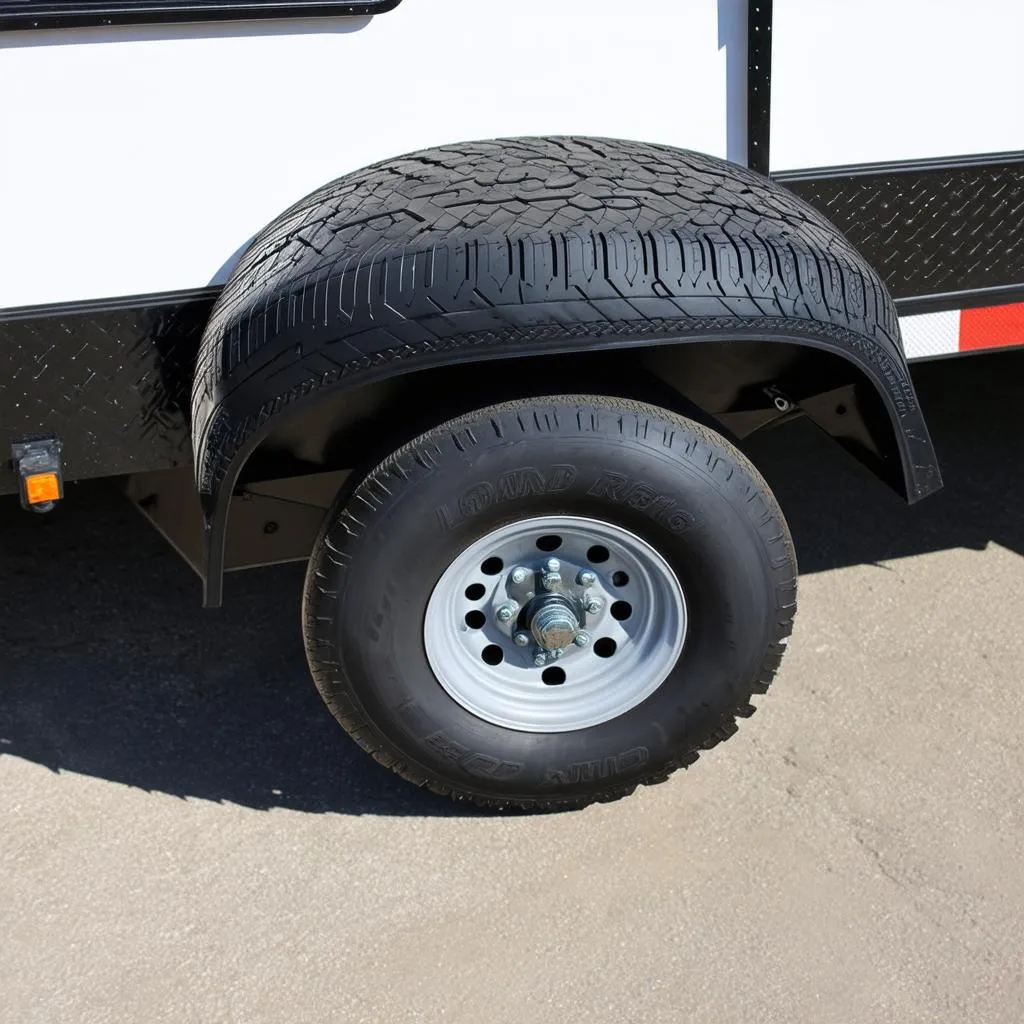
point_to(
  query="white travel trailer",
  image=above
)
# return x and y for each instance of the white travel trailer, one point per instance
(470, 304)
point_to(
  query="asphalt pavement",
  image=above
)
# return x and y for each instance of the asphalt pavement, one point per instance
(185, 835)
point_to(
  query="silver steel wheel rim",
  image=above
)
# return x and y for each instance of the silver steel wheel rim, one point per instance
(468, 622)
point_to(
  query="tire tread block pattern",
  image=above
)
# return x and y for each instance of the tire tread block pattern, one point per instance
(525, 246)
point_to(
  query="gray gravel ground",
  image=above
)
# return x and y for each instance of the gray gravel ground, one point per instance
(186, 836)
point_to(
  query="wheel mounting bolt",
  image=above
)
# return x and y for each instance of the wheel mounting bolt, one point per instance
(507, 612)
(521, 639)
(557, 653)
(540, 659)
(553, 565)
(586, 578)
(581, 639)
(551, 581)
(520, 575)
(593, 607)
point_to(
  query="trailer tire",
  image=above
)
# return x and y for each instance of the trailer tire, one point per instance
(675, 487)
(531, 247)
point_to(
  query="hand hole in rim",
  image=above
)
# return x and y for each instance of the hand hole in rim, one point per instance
(476, 619)
(605, 647)
(493, 654)
(620, 579)
(492, 566)
(475, 591)
(549, 543)
(553, 676)
(598, 554)
(621, 611)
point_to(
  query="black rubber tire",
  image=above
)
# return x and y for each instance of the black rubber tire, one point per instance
(383, 548)
(527, 247)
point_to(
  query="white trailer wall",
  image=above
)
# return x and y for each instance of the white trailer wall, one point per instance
(141, 160)
(884, 80)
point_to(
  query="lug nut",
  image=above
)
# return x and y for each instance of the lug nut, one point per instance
(551, 581)
(540, 659)
(581, 639)
(557, 653)
(553, 565)
(586, 578)
(521, 639)
(507, 612)
(520, 575)
(593, 607)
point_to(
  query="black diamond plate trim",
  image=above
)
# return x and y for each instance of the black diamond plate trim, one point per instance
(111, 380)
(928, 228)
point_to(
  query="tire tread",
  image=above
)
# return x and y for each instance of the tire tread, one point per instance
(430, 250)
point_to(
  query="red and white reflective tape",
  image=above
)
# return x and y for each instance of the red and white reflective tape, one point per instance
(962, 330)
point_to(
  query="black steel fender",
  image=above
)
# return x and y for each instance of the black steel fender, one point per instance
(525, 247)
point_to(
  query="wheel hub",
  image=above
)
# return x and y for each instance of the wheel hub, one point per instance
(543, 644)
(553, 621)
